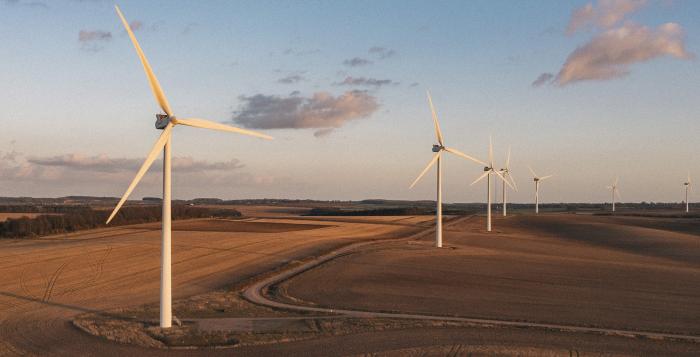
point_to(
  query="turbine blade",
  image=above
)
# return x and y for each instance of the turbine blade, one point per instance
(438, 133)
(512, 180)
(617, 193)
(616, 180)
(490, 152)
(206, 124)
(459, 153)
(480, 178)
(545, 177)
(508, 159)
(504, 179)
(532, 171)
(430, 164)
(157, 147)
(152, 80)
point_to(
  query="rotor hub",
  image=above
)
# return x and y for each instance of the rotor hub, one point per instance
(162, 120)
(438, 148)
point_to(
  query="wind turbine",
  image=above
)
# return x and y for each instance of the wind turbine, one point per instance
(488, 170)
(438, 149)
(687, 187)
(615, 192)
(165, 122)
(537, 180)
(507, 175)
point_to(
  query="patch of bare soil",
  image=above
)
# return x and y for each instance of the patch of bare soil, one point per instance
(223, 225)
(562, 269)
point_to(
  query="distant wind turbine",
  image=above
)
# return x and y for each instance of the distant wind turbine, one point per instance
(507, 175)
(615, 191)
(438, 149)
(165, 122)
(537, 180)
(687, 188)
(488, 170)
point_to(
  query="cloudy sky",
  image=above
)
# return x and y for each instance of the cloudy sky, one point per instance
(584, 90)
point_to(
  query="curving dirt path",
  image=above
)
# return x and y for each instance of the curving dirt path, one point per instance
(257, 293)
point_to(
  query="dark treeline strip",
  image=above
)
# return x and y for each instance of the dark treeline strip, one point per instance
(398, 211)
(75, 218)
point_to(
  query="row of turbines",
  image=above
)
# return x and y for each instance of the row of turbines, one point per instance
(490, 170)
(166, 122)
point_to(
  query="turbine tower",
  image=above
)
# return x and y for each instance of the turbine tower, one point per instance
(488, 170)
(165, 122)
(687, 188)
(437, 158)
(615, 192)
(537, 180)
(505, 172)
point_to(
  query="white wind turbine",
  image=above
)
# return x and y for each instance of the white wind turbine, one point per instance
(507, 175)
(687, 188)
(537, 180)
(438, 149)
(615, 192)
(488, 170)
(165, 122)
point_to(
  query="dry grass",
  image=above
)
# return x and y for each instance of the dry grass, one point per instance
(6, 216)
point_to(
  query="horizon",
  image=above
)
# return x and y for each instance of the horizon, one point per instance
(76, 90)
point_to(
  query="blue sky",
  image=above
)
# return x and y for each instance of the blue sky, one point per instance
(77, 115)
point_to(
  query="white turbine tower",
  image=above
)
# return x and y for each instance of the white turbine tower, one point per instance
(438, 149)
(687, 188)
(488, 170)
(165, 122)
(615, 192)
(537, 180)
(507, 175)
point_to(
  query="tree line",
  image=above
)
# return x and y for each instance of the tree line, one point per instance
(66, 219)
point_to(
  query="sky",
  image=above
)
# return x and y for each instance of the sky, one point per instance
(585, 90)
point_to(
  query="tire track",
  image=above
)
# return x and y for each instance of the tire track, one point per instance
(257, 294)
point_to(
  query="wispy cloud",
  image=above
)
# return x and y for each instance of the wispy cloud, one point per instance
(299, 52)
(322, 111)
(35, 4)
(604, 15)
(611, 53)
(93, 40)
(291, 79)
(543, 79)
(356, 62)
(363, 81)
(381, 52)
(104, 163)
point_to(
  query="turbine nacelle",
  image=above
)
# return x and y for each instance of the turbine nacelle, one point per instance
(486, 168)
(162, 120)
(438, 148)
(536, 179)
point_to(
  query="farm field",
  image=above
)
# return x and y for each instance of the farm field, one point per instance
(626, 273)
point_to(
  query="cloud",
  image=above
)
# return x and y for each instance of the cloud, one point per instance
(362, 81)
(381, 52)
(291, 79)
(321, 111)
(605, 14)
(35, 4)
(93, 40)
(104, 163)
(136, 25)
(610, 54)
(297, 52)
(543, 79)
(356, 62)
(92, 36)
